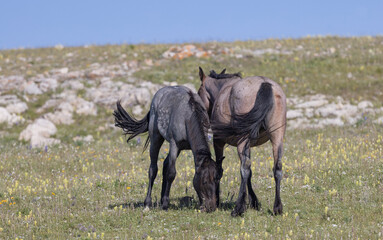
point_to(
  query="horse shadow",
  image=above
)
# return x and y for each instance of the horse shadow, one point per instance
(180, 203)
(184, 203)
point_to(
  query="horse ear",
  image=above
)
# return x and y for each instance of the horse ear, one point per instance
(223, 71)
(201, 74)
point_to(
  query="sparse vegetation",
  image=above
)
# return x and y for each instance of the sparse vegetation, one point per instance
(333, 178)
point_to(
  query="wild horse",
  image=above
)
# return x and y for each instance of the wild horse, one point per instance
(178, 116)
(245, 112)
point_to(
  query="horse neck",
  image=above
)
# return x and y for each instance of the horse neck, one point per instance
(215, 86)
(197, 140)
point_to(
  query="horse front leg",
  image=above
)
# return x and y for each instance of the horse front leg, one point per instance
(244, 155)
(218, 149)
(169, 174)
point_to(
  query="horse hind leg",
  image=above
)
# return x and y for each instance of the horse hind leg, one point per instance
(169, 174)
(244, 155)
(156, 143)
(277, 170)
(218, 149)
(253, 200)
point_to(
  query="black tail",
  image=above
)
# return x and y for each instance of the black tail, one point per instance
(247, 126)
(129, 124)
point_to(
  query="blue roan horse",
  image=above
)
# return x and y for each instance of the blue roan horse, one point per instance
(178, 116)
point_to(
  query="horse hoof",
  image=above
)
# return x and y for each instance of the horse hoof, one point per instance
(165, 207)
(235, 213)
(278, 210)
(258, 206)
(238, 211)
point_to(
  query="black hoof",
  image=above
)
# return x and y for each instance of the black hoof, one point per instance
(278, 210)
(258, 206)
(238, 211)
(148, 203)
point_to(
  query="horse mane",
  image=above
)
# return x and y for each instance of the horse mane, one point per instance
(199, 124)
(215, 75)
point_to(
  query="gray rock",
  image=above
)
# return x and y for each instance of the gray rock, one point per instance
(9, 99)
(60, 71)
(60, 117)
(73, 84)
(84, 107)
(292, 114)
(312, 104)
(137, 110)
(65, 107)
(11, 82)
(88, 138)
(18, 108)
(379, 120)
(39, 133)
(39, 141)
(5, 116)
(32, 88)
(48, 104)
(10, 119)
(330, 121)
(298, 123)
(309, 112)
(47, 84)
(365, 104)
(327, 110)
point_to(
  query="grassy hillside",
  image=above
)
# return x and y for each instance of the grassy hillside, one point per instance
(333, 177)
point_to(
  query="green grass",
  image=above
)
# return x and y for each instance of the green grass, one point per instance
(96, 190)
(332, 186)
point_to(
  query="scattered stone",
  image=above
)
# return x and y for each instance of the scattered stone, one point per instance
(329, 121)
(32, 88)
(39, 133)
(84, 107)
(312, 103)
(9, 99)
(379, 120)
(181, 52)
(74, 85)
(48, 104)
(298, 123)
(88, 138)
(8, 83)
(292, 114)
(60, 117)
(365, 104)
(10, 119)
(137, 110)
(17, 108)
(47, 84)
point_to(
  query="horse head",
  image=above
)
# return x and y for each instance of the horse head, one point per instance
(206, 184)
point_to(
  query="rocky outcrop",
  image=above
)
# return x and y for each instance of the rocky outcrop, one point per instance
(318, 111)
(39, 132)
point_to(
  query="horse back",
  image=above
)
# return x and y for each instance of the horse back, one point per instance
(168, 112)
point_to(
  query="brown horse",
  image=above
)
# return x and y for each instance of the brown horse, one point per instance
(245, 112)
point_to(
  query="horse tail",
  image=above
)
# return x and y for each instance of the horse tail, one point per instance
(129, 124)
(247, 126)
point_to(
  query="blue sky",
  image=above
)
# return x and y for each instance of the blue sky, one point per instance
(42, 23)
